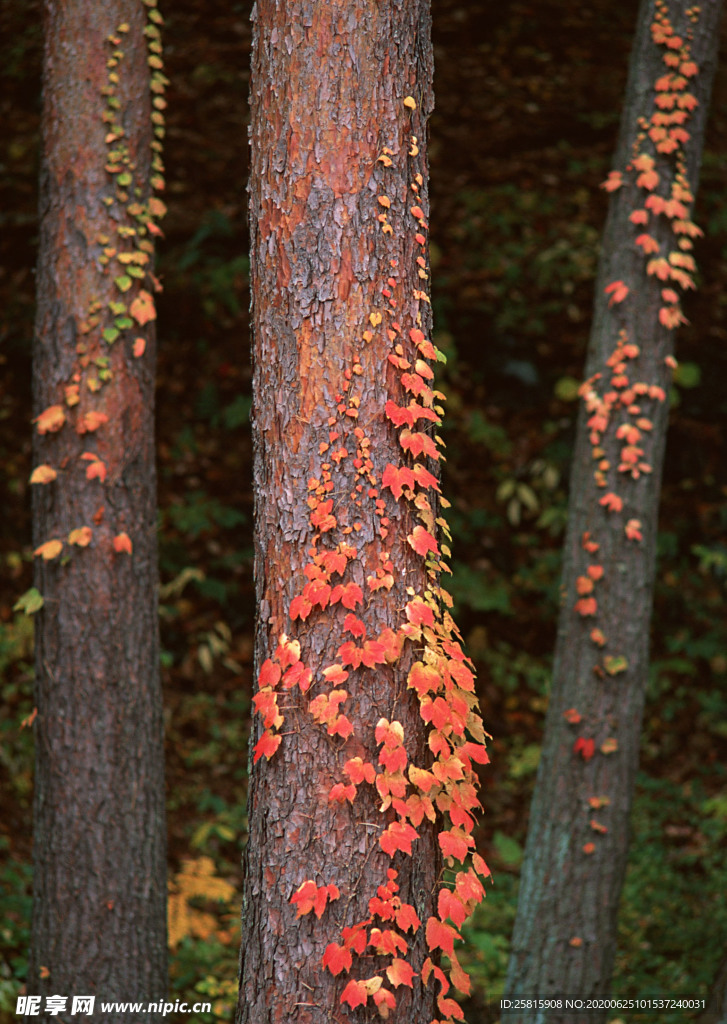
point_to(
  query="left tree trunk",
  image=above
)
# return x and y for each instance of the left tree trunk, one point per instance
(99, 911)
(565, 933)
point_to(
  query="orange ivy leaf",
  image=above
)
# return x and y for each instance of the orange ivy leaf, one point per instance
(617, 290)
(417, 611)
(422, 541)
(633, 529)
(267, 745)
(385, 1001)
(449, 1007)
(341, 793)
(659, 267)
(269, 674)
(142, 308)
(572, 716)
(91, 421)
(416, 443)
(460, 978)
(612, 502)
(406, 918)
(586, 606)
(649, 179)
(349, 595)
(51, 549)
(355, 994)
(81, 537)
(399, 972)
(342, 727)
(423, 678)
(359, 770)
(122, 544)
(440, 936)
(647, 242)
(96, 470)
(308, 896)
(300, 608)
(613, 181)
(50, 420)
(337, 958)
(398, 836)
(449, 905)
(396, 479)
(43, 474)
(671, 317)
(139, 347)
(455, 843)
(387, 941)
(266, 704)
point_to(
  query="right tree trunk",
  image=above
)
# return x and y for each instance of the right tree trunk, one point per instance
(565, 933)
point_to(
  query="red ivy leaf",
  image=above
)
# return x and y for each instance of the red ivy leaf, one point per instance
(422, 541)
(585, 747)
(355, 994)
(267, 745)
(398, 836)
(337, 958)
(269, 673)
(440, 936)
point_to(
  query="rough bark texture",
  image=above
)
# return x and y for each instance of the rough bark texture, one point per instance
(328, 86)
(565, 933)
(99, 911)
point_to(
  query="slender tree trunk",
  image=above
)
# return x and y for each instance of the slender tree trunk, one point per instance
(99, 911)
(565, 933)
(715, 1012)
(341, 93)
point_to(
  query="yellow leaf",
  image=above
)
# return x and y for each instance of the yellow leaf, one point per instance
(43, 475)
(51, 549)
(410, 102)
(81, 537)
(142, 308)
(51, 419)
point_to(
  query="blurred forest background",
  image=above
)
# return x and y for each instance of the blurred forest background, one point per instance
(528, 98)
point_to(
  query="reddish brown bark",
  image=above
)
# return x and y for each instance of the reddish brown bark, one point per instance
(99, 913)
(565, 933)
(328, 86)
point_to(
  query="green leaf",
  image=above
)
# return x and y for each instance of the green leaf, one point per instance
(29, 602)
(687, 375)
(123, 283)
(615, 664)
(110, 335)
(508, 850)
(566, 389)
(123, 323)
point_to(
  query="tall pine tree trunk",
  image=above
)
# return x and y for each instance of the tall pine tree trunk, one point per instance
(347, 775)
(565, 933)
(99, 910)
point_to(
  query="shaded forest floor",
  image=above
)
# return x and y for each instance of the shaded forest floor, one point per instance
(528, 100)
